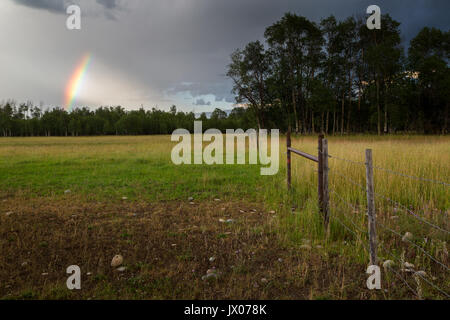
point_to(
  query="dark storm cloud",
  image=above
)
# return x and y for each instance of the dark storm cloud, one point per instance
(219, 27)
(61, 5)
(50, 5)
(181, 48)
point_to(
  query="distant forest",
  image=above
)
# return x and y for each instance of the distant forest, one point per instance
(336, 77)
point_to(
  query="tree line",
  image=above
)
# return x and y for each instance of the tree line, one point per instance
(340, 77)
(336, 77)
(25, 119)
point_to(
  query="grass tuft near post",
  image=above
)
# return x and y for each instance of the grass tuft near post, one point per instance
(288, 158)
(320, 173)
(371, 208)
(326, 195)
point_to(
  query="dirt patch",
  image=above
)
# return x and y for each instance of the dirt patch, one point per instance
(167, 248)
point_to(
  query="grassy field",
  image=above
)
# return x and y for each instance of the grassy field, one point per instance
(82, 200)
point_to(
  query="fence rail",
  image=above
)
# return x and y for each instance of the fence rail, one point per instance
(304, 154)
(323, 170)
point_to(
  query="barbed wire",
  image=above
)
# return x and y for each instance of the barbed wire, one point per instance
(392, 201)
(411, 212)
(396, 273)
(415, 273)
(394, 232)
(404, 281)
(385, 227)
(415, 245)
(411, 176)
(350, 219)
(349, 229)
(431, 283)
(348, 179)
(347, 160)
(392, 171)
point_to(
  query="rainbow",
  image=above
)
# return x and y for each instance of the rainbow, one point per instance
(74, 84)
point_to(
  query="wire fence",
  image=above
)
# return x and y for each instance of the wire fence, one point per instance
(355, 228)
(364, 211)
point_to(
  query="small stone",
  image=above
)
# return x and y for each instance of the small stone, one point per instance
(211, 259)
(408, 265)
(272, 211)
(67, 191)
(45, 273)
(305, 246)
(191, 202)
(116, 261)
(254, 210)
(388, 264)
(88, 274)
(216, 199)
(241, 211)
(210, 276)
(190, 198)
(407, 237)
(221, 220)
(124, 198)
(280, 260)
(420, 273)
(9, 213)
(264, 280)
(209, 271)
(121, 269)
(173, 244)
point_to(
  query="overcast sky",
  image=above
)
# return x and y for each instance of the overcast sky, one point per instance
(157, 52)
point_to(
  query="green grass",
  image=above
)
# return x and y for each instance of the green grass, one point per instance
(113, 167)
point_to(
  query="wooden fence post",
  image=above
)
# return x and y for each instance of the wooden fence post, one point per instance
(288, 158)
(320, 173)
(371, 208)
(326, 196)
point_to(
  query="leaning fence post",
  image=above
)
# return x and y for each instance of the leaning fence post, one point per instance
(326, 196)
(288, 158)
(320, 174)
(371, 208)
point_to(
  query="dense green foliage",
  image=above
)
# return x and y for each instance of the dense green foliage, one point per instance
(28, 120)
(341, 77)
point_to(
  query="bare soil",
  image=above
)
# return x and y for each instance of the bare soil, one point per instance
(167, 248)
